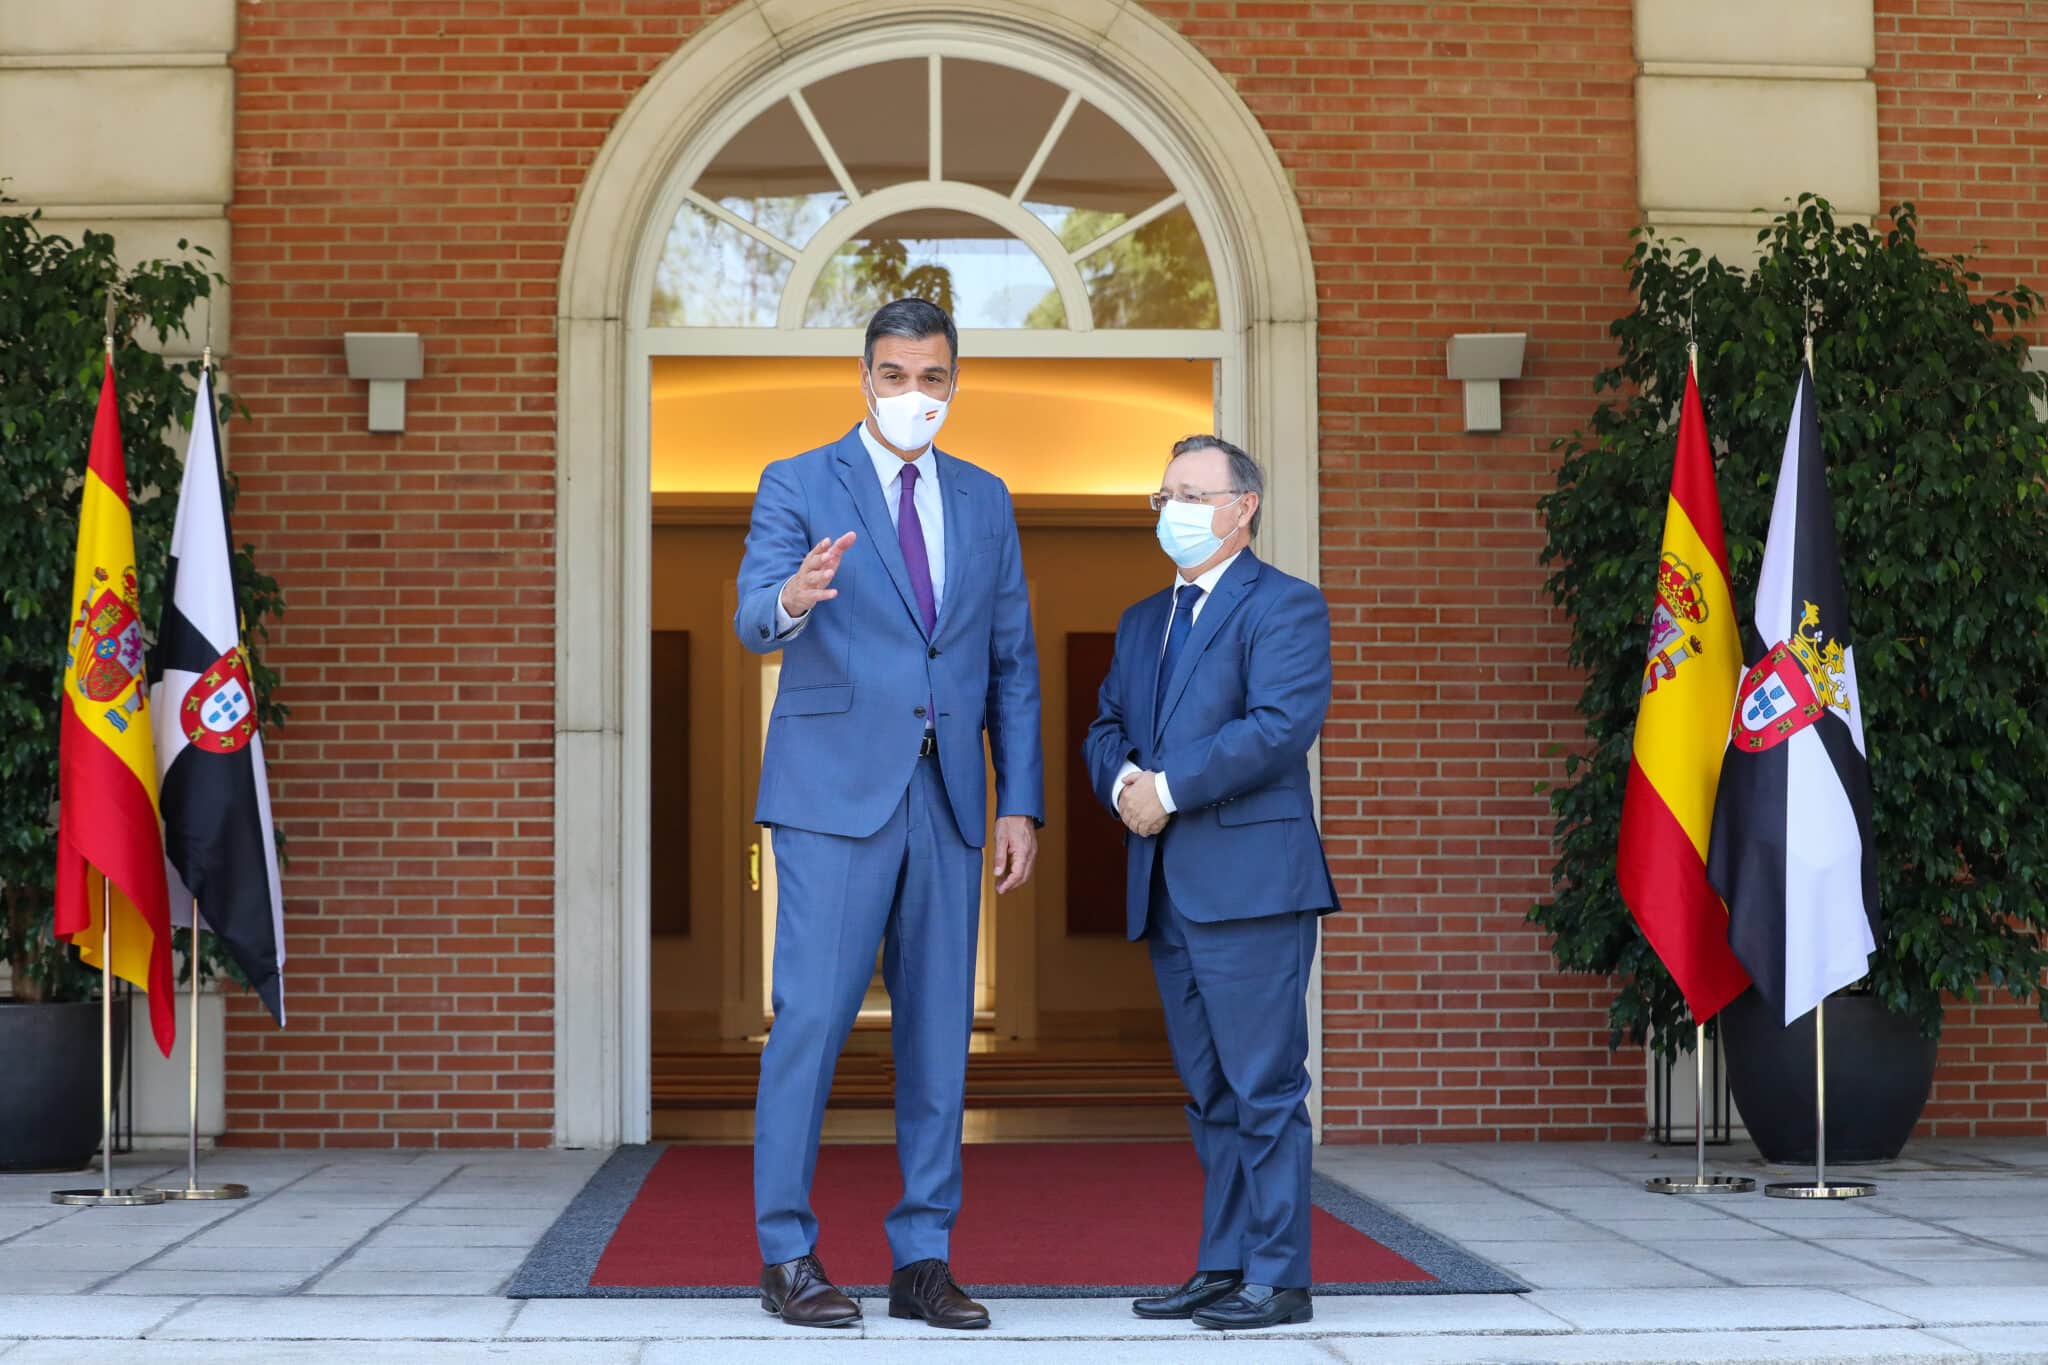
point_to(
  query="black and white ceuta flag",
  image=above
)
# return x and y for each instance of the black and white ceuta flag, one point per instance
(1791, 850)
(214, 792)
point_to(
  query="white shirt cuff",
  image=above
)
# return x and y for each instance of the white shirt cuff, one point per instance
(1165, 792)
(785, 624)
(1117, 789)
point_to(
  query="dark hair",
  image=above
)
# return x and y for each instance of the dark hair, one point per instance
(913, 320)
(1245, 474)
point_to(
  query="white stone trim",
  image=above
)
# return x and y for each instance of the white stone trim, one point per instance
(1185, 114)
(87, 61)
(1763, 71)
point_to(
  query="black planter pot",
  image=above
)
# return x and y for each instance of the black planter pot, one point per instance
(50, 1057)
(1879, 1070)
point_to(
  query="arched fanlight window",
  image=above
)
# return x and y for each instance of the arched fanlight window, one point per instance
(998, 194)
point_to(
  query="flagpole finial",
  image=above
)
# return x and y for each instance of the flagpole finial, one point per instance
(1692, 359)
(112, 308)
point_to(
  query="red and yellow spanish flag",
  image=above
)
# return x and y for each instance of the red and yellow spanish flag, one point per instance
(1695, 661)
(108, 832)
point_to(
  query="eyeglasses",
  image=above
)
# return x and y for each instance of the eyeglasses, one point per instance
(1162, 497)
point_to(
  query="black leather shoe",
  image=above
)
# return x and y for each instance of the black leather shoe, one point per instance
(1202, 1288)
(925, 1289)
(800, 1293)
(1256, 1305)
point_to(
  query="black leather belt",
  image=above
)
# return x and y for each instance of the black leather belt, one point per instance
(929, 746)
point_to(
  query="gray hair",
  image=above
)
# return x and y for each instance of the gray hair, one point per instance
(1245, 474)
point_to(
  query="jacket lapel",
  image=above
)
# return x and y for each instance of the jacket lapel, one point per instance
(1145, 673)
(1237, 581)
(857, 475)
(959, 530)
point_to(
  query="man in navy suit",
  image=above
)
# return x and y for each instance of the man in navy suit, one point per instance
(888, 574)
(1217, 689)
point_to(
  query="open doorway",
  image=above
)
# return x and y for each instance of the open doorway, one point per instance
(1068, 1040)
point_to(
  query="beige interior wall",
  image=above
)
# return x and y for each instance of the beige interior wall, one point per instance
(1091, 984)
(1742, 104)
(691, 566)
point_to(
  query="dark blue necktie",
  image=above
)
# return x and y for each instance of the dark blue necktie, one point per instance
(1185, 597)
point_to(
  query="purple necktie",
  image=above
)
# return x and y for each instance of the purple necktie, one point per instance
(910, 537)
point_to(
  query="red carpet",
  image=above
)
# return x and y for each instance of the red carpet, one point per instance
(1040, 1214)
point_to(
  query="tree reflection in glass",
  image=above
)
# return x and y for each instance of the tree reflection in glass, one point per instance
(974, 270)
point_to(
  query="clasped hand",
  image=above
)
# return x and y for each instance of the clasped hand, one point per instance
(1139, 805)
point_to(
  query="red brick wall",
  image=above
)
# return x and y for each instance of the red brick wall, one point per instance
(1460, 168)
(1962, 128)
(413, 166)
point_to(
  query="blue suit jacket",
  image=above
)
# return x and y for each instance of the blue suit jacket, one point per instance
(843, 737)
(1232, 734)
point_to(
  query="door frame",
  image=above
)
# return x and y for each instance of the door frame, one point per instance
(1126, 61)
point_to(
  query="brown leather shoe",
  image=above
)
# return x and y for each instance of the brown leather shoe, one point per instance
(800, 1293)
(925, 1289)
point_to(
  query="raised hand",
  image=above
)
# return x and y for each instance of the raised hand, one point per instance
(812, 583)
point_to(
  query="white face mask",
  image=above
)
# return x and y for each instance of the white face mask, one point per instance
(1184, 531)
(908, 421)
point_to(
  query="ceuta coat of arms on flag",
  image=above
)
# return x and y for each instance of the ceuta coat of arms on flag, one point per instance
(106, 647)
(1678, 600)
(1790, 687)
(219, 710)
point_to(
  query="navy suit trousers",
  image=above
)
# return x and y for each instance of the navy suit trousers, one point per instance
(1235, 996)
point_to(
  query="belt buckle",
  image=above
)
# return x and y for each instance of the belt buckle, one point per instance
(928, 746)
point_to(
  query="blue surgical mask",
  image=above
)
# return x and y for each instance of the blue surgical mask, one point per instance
(1184, 531)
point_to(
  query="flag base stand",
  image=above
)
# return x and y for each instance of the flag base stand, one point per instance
(139, 1194)
(1701, 1182)
(229, 1191)
(1833, 1189)
(1820, 1187)
(107, 1193)
(192, 1189)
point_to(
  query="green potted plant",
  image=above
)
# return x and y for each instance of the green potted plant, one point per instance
(53, 295)
(1938, 465)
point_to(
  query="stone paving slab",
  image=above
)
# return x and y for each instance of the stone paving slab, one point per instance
(401, 1256)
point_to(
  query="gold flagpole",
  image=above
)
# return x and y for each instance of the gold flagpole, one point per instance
(192, 1189)
(1820, 1188)
(1701, 1182)
(106, 1193)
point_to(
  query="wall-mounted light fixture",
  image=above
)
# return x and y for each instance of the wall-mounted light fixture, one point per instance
(387, 360)
(1482, 360)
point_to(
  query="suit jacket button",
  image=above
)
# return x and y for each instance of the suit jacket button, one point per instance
(764, 632)
(920, 713)
(933, 654)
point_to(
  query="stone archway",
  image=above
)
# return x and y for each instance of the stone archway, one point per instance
(1262, 257)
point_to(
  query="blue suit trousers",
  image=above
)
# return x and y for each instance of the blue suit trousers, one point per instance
(1235, 996)
(913, 888)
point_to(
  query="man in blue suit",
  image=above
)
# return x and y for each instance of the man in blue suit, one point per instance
(888, 574)
(1217, 688)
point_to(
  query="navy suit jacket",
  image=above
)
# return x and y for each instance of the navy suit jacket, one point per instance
(843, 737)
(1232, 734)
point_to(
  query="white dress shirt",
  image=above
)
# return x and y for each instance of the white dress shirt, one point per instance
(1207, 583)
(931, 516)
